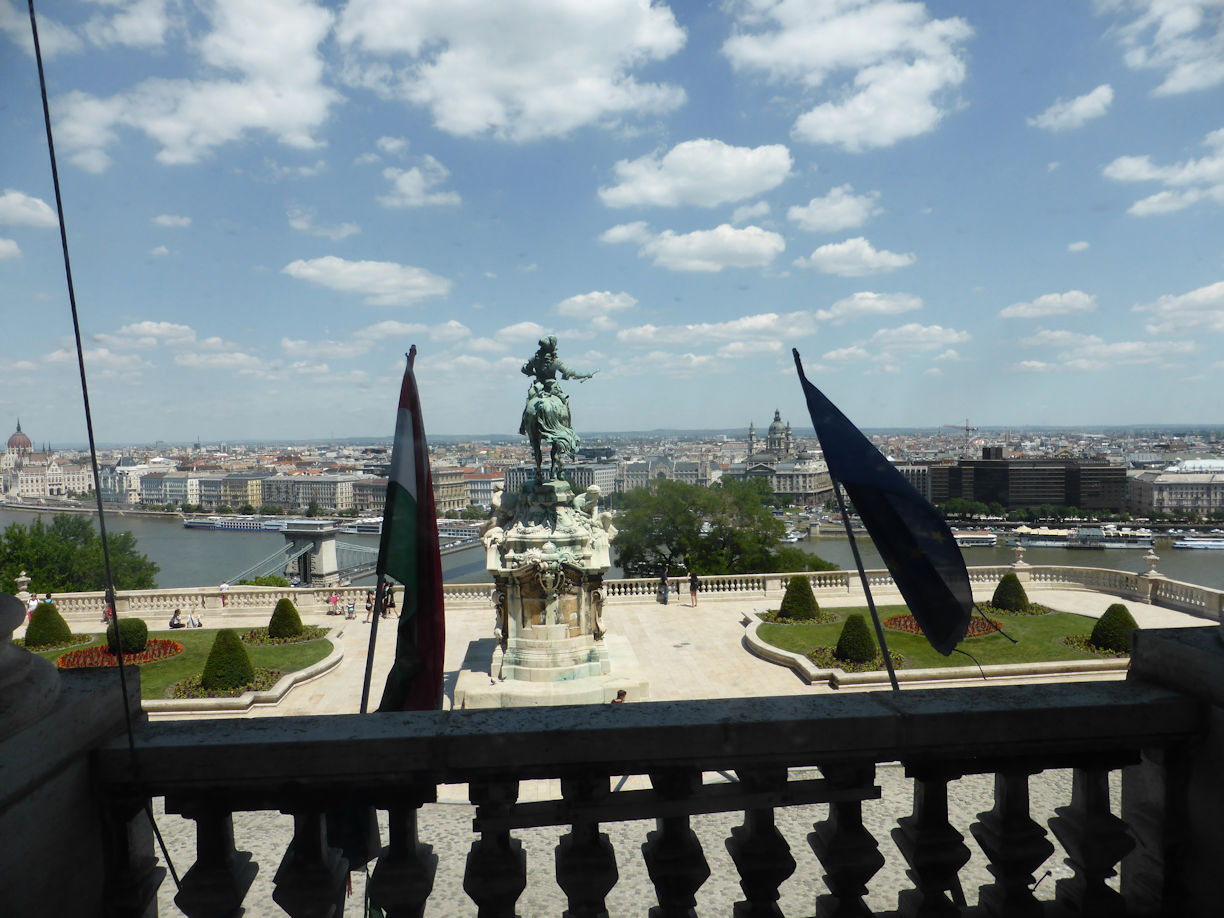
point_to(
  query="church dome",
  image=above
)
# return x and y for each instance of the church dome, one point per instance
(19, 441)
(777, 428)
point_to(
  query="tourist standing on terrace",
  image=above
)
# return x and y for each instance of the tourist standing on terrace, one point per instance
(663, 587)
(694, 583)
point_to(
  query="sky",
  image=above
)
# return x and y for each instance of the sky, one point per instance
(1006, 213)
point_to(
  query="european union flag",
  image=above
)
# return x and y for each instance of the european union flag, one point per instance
(910, 535)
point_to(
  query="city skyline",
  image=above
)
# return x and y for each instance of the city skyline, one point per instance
(952, 210)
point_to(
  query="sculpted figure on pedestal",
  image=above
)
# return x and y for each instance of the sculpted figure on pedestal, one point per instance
(546, 416)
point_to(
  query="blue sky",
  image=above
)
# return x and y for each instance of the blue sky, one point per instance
(1007, 212)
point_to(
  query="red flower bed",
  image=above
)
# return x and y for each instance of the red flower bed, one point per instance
(977, 626)
(156, 649)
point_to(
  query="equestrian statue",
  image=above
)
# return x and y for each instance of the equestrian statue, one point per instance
(546, 417)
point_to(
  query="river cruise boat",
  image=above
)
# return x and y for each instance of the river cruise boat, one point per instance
(1043, 537)
(236, 523)
(363, 527)
(975, 539)
(1201, 542)
(1127, 538)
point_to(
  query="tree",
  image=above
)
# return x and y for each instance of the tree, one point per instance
(725, 529)
(313, 509)
(246, 510)
(66, 557)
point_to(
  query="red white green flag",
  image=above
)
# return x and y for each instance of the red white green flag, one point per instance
(409, 553)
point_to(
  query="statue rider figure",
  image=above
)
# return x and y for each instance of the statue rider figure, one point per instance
(546, 417)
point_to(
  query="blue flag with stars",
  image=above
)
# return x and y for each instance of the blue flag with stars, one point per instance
(925, 562)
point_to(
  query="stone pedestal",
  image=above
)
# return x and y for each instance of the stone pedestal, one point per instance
(547, 549)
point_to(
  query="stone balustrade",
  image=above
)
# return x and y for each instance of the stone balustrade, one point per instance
(1160, 729)
(153, 604)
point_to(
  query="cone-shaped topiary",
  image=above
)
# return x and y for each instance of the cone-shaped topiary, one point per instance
(1113, 629)
(1009, 595)
(134, 633)
(228, 665)
(286, 622)
(799, 603)
(856, 645)
(47, 627)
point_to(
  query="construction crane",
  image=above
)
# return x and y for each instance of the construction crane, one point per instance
(968, 430)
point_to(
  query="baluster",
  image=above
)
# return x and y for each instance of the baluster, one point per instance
(496, 872)
(586, 860)
(934, 850)
(844, 847)
(132, 874)
(404, 877)
(674, 857)
(1015, 845)
(218, 881)
(761, 855)
(310, 882)
(1095, 841)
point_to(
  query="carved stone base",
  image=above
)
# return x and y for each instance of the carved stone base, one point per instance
(477, 689)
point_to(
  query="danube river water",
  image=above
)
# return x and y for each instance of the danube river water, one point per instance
(204, 557)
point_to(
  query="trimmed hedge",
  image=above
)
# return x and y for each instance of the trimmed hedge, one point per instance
(285, 622)
(1113, 629)
(47, 628)
(799, 603)
(856, 645)
(133, 632)
(1009, 595)
(228, 666)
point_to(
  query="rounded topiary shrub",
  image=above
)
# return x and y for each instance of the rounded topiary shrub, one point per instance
(1113, 629)
(799, 603)
(286, 622)
(1009, 595)
(47, 627)
(856, 645)
(132, 631)
(228, 666)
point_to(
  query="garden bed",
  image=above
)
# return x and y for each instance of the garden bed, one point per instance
(191, 687)
(77, 641)
(259, 637)
(97, 656)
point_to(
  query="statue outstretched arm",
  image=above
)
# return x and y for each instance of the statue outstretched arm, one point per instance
(570, 373)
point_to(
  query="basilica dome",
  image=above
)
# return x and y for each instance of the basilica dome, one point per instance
(777, 428)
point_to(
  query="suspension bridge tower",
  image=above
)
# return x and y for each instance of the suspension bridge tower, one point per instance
(312, 546)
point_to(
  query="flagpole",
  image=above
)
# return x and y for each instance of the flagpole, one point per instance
(858, 561)
(379, 589)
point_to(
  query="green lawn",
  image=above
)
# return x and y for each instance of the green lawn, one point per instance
(156, 678)
(1036, 636)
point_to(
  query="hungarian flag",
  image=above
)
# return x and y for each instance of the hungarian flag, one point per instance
(408, 552)
(922, 555)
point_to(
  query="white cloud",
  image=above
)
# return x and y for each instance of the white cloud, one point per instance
(949, 355)
(522, 331)
(229, 362)
(261, 71)
(894, 67)
(866, 303)
(1068, 114)
(543, 70)
(1186, 183)
(172, 221)
(392, 146)
(149, 334)
(1198, 310)
(1184, 40)
(750, 212)
(19, 209)
(381, 283)
(1030, 366)
(598, 304)
(855, 258)
(846, 354)
(740, 349)
(703, 173)
(637, 232)
(133, 24)
(9, 249)
(840, 209)
(303, 220)
(1079, 351)
(294, 172)
(99, 358)
(1051, 304)
(414, 187)
(725, 246)
(1080, 246)
(762, 327)
(915, 337)
(159, 250)
(54, 37)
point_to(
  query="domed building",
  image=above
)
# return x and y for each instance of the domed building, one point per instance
(779, 441)
(794, 474)
(18, 449)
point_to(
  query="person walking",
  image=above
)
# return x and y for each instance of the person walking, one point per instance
(663, 587)
(389, 608)
(369, 606)
(223, 589)
(694, 584)
(334, 601)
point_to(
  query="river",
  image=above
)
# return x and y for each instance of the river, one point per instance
(205, 557)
